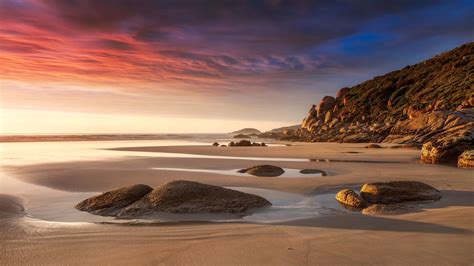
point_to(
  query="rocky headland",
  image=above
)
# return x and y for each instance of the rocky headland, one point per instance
(428, 103)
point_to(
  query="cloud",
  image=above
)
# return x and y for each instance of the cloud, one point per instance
(215, 44)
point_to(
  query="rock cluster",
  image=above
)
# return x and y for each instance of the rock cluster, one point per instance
(181, 197)
(386, 197)
(263, 170)
(246, 143)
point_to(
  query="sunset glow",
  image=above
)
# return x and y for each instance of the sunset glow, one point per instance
(166, 64)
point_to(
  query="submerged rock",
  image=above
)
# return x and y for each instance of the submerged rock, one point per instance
(398, 191)
(263, 170)
(186, 197)
(384, 209)
(466, 159)
(351, 199)
(313, 171)
(111, 203)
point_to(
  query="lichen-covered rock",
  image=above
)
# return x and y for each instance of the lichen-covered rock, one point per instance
(186, 197)
(111, 203)
(433, 126)
(447, 149)
(263, 170)
(313, 171)
(466, 159)
(350, 198)
(397, 192)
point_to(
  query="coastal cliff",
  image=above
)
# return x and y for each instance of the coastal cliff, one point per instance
(416, 104)
(430, 104)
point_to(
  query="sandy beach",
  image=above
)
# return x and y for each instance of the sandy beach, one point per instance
(430, 233)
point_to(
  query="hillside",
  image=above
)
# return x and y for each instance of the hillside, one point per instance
(375, 109)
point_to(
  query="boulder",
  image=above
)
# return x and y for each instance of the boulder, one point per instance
(397, 192)
(313, 171)
(111, 203)
(326, 104)
(351, 199)
(215, 144)
(466, 159)
(263, 170)
(186, 197)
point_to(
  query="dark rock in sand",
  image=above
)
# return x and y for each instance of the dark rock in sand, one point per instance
(264, 170)
(466, 159)
(215, 144)
(351, 199)
(223, 145)
(185, 197)
(397, 192)
(313, 171)
(111, 203)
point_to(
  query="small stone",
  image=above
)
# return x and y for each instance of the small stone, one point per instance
(263, 170)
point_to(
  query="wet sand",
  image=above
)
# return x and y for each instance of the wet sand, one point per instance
(434, 233)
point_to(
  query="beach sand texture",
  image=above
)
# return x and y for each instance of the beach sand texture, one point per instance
(432, 233)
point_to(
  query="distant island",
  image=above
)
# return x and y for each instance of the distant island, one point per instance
(247, 131)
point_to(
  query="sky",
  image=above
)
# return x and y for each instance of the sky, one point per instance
(131, 66)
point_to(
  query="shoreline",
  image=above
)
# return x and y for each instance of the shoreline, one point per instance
(443, 228)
